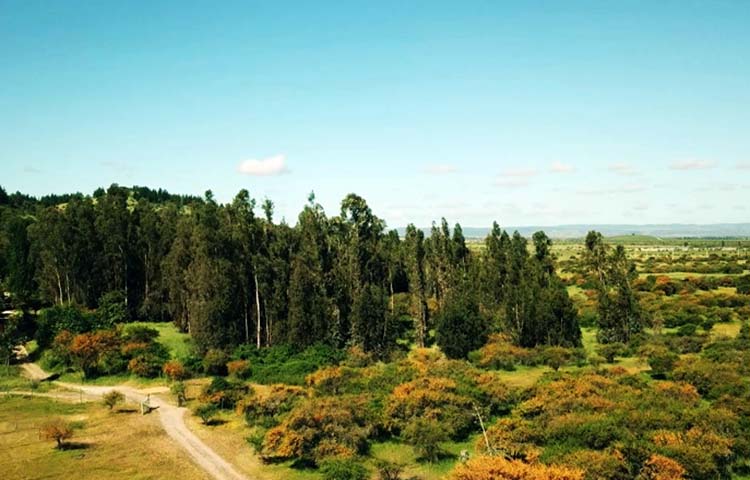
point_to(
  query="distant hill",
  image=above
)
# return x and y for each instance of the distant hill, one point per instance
(674, 230)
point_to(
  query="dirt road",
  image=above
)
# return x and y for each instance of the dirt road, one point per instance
(171, 419)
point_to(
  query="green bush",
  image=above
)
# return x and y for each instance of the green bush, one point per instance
(662, 362)
(611, 350)
(344, 469)
(687, 330)
(206, 412)
(215, 362)
(54, 320)
(112, 309)
(426, 435)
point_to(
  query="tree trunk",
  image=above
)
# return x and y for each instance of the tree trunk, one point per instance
(247, 327)
(257, 304)
(59, 286)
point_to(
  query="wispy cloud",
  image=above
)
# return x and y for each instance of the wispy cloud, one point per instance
(512, 182)
(519, 172)
(559, 167)
(742, 166)
(692, 165)
(622, 168)
(275, 165)
(629, 188)
(515, 177)
(30, 169)
(440, 169)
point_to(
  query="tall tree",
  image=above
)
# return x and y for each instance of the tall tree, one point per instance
(414, 251)
(620, 313)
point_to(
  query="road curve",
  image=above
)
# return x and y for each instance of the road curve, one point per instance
(171, 419)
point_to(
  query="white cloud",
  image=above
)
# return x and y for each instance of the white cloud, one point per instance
(559, 167)
(440, 169)
(275, 165)
(742, 166)
(516, 182)
(629, 188)
(692, 165)
(622, 168)
(519, 172)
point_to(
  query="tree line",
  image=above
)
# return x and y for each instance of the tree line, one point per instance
(231, 275)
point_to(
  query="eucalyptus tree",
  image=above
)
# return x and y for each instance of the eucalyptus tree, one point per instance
(414, 252)
(620, 313)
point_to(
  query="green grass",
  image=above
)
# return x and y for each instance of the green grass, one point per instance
(123, 378)
(588, 338)
(11, 379)
(106, 445)
(179, 344)
(401, 454)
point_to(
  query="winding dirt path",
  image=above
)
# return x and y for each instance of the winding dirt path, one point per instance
(171, 419)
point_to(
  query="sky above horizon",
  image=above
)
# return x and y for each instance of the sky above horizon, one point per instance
(528, 113)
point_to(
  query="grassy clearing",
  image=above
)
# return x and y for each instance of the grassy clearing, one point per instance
(726, 330)
(121, 379)
(404, 455)
(107, 445)
(179, 344)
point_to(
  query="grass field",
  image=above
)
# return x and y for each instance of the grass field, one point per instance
(105, 445)
(179, 344)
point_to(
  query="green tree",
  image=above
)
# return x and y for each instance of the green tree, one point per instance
(620, 313)
(369, 320)
(460, 326)
(414, 251)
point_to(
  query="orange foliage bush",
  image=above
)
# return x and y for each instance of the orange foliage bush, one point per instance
(499, 352)
(498, 468)
(658, 467)
(239, 368)
(433, 398)
(175, 370)
(330, 380)
(318, 428)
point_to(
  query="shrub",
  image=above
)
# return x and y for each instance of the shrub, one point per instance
(330, 380)
(425, 435)
(611, 350)
(499, 468)
(140, 334)
(112, 398)
(53, 320)
(343, 469)
(57, 430)
(206, 412)
(388, 470)
(239, 368)
(112, 309)
(223, 393)
(686, 330)
(266, 406)
(149, 361)
(320, 428)
(436, 398)
(662, 361)
(215, 362)
(658, 467)
(175, 370)
(556, 356)
(178, 390)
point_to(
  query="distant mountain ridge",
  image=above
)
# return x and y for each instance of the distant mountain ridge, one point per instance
(672, 230)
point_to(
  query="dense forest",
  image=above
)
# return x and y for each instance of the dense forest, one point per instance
(335, 335)
(229, 275)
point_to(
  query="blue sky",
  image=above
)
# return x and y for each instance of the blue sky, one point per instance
(530, 113)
